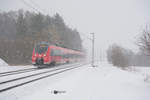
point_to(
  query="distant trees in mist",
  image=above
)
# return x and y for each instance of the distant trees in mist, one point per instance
(121, 57)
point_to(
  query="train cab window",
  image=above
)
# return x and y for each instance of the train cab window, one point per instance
(41, 48)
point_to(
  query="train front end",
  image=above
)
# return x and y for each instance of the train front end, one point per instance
(40, 55)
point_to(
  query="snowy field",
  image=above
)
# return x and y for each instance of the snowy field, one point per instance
(104, 82)
(13, 68)
(4, 67)
(3, 63)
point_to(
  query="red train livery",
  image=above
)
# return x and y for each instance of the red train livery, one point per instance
(46, 54)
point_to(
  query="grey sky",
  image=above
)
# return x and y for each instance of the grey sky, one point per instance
(113, 21)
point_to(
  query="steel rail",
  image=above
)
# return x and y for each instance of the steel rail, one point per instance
(39, 78)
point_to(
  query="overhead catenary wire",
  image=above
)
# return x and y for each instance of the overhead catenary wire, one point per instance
(30, 6)
(40, 9)
(35, 4)
(85, 36)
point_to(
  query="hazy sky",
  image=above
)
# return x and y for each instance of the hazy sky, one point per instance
(112, 21)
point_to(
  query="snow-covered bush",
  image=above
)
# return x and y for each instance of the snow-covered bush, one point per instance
(116, 55)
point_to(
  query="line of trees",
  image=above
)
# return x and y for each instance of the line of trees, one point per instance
(118, 56)
(122, 57)
(20, 30)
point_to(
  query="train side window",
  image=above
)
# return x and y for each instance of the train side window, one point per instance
(52, 52)
(61, 53)
(55, 52)
(65, 55)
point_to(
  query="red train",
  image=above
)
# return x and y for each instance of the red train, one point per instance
(46, 54)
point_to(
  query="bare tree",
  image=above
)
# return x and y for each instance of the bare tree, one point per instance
(144, 40)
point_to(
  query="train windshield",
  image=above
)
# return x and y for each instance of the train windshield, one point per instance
(41, 48)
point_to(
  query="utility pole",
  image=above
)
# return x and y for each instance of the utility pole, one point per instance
(93, 37)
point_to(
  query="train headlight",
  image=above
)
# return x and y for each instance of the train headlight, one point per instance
(44, 55)
(34, 54)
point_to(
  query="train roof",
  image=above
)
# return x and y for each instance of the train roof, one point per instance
(67, 50)
(59, 47)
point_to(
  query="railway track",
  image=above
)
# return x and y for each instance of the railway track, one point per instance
(17, 82)
(2, 74)
(17, 72)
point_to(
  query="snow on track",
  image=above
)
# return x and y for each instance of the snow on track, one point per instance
(14, 68)
(104, 82)
(14, 76)
(10, 84)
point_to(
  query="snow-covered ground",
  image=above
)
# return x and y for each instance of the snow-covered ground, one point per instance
(3, 63)
(104, 82)
(14, 68)
(4, 67)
